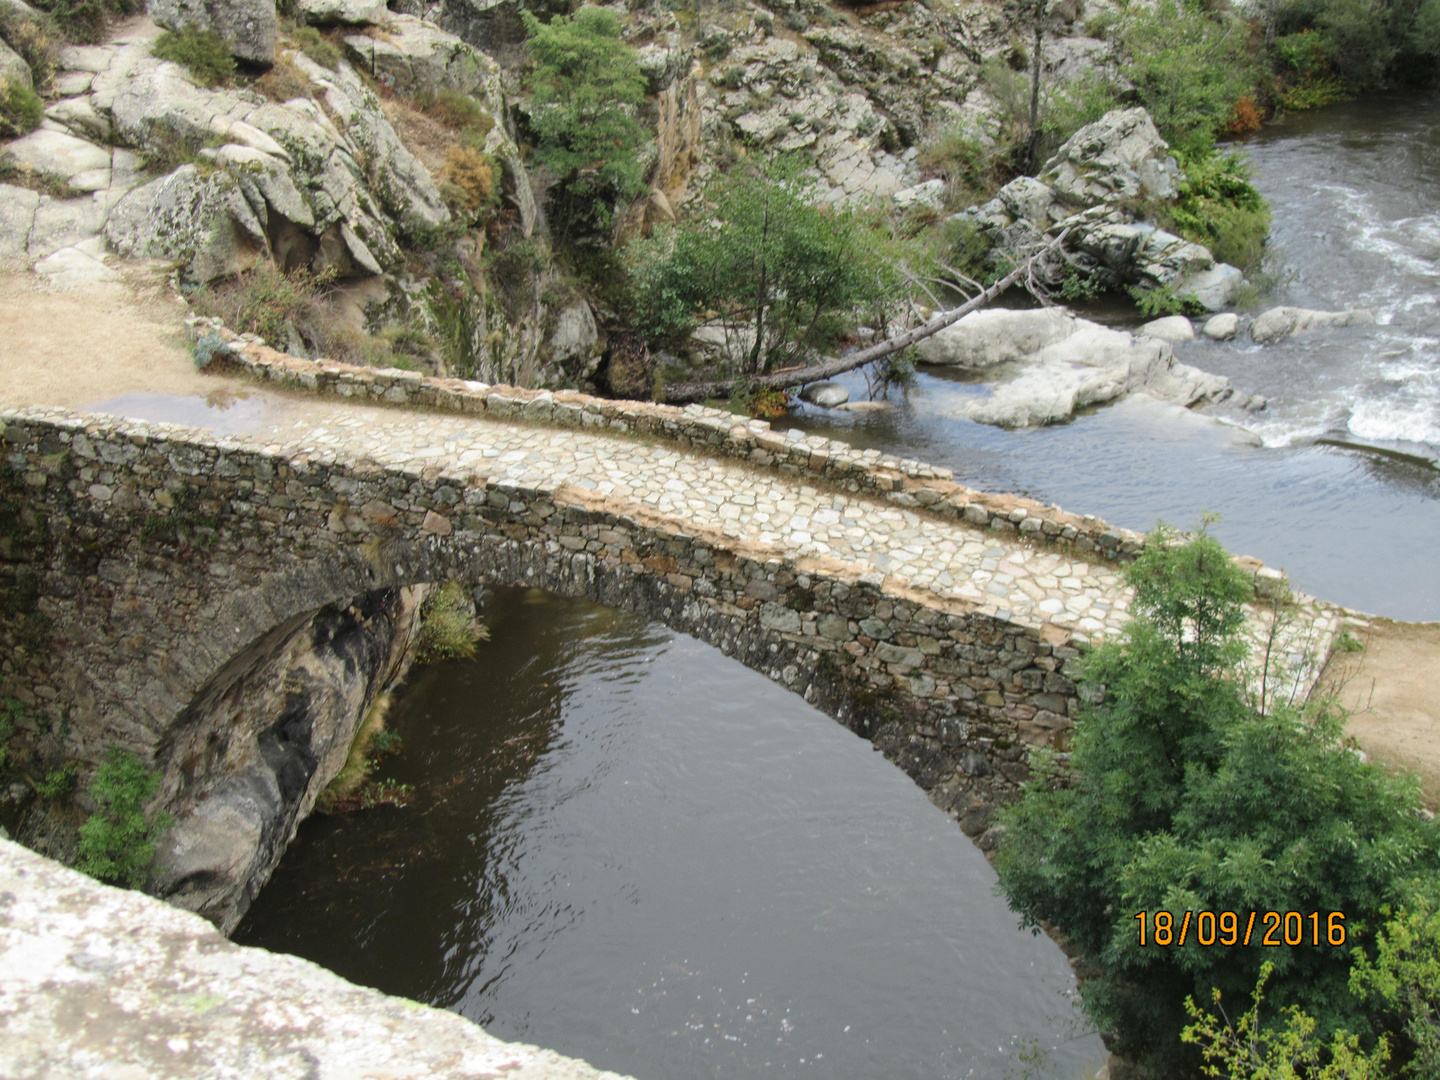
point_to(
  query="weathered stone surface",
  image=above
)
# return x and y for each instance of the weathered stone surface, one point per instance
(1171, 328)
(248, 27)
(827, 395)
(930, 193)
(994, 336)
(59, 154)
(163, 996)
(201, 222)
(487, 24)
(74, 267)
(1092, 365)
(17, 216)
(415, 56)
(1222, 327)
(13, 69)
(1121, 156)
(330, 12)
(1279, 323)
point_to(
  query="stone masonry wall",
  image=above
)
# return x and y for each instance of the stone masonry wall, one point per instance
(142, 558)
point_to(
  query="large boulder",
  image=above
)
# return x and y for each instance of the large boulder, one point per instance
(248, 27)
(487, 24)
(415, 57)
(1279, 323)
(1119, 158)
(1086, 364)
(200, 221)
(986, 339)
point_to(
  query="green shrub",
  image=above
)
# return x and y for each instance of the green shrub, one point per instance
(203, 53)
(57, 783)
(21, 110)
(585, 87)
(1184, 795)
(448, 627)
(117, 842)
(316, 46)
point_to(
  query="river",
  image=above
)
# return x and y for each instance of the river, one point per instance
(629, 848)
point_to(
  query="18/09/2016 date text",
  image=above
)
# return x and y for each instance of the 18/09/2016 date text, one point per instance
(1273, 928)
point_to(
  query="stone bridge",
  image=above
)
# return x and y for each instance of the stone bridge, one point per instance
(169, 591)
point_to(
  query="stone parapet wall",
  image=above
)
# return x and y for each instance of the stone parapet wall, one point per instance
(903, 482)
(102, 981)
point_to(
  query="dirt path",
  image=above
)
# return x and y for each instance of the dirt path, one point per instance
(1393, 693)
(125, 339)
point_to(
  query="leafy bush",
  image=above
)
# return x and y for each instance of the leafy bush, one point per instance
(967, 166)
(1219, 207)
(201, 52)
(448, 627)
(21, 109)
(1189, 67)
(117, 842)
(1325, 48)
(1183, 795)
(585, 86)
(786, 275)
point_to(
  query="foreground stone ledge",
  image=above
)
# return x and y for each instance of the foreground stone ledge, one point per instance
(98, 981)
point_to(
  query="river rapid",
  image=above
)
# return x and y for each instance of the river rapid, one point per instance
(629, 848)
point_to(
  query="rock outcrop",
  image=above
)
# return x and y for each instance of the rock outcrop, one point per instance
(1051, 363)
(1107, 168)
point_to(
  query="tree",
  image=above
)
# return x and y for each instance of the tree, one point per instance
(585, 86)
(1182, 795)
(786, 275)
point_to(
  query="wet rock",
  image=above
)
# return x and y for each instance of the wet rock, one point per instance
(1279, 323)
(1222, 327)
(828, 395)
(248, 27)
(1172, 328)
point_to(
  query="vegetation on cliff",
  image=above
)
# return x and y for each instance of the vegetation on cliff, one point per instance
(1186, 794)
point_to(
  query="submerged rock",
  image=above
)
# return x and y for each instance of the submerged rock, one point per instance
(1279, 323)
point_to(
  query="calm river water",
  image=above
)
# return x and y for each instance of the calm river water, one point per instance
(631, 849)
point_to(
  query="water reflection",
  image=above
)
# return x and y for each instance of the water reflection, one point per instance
(631, 849)
(221, 410)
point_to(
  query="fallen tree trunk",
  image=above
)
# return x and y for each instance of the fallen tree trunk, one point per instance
(681, 393)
